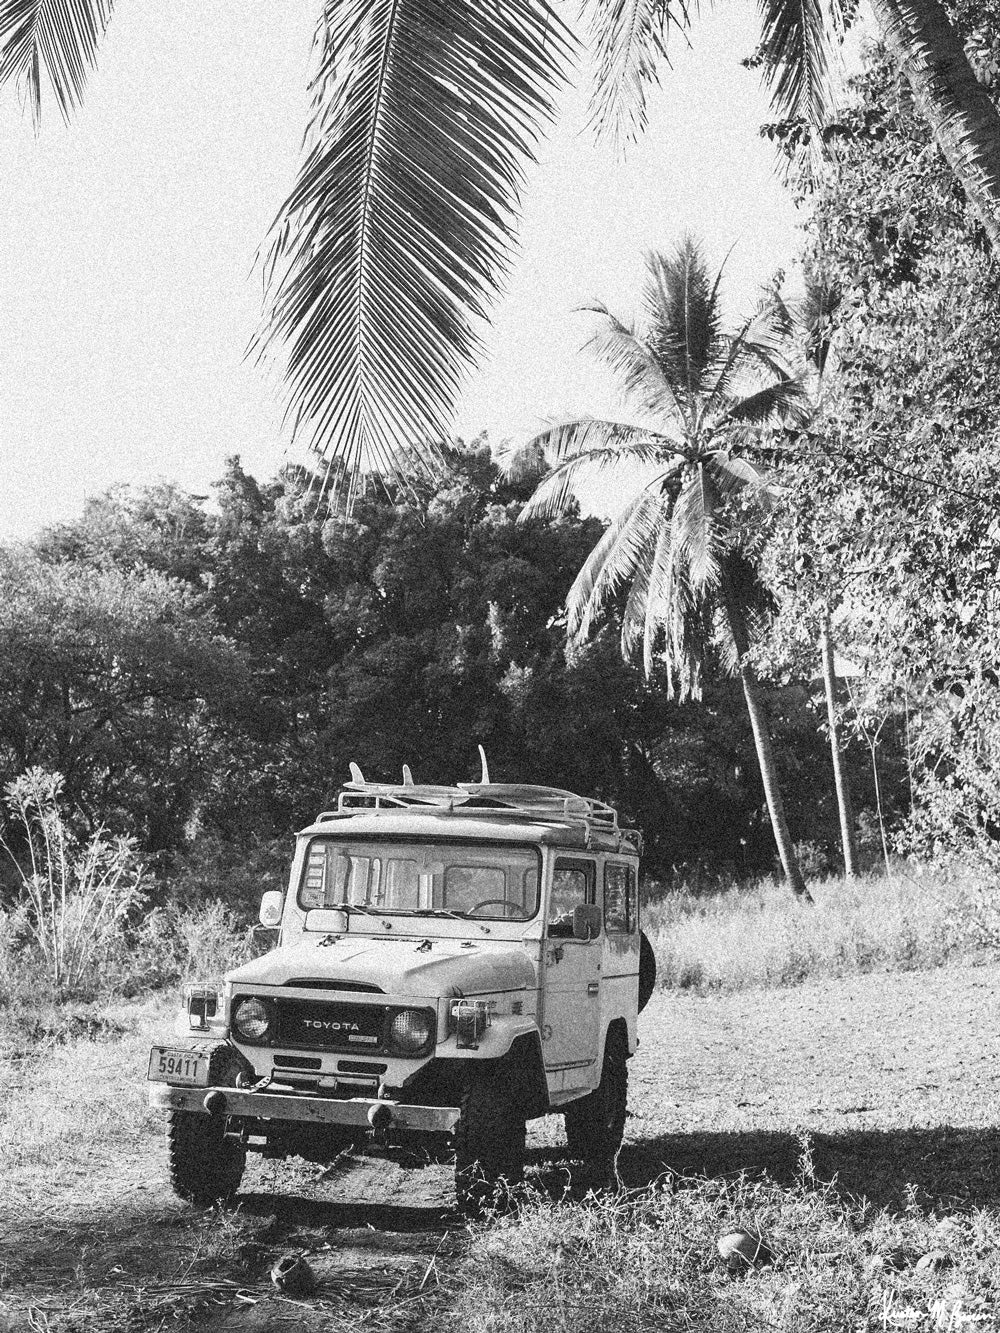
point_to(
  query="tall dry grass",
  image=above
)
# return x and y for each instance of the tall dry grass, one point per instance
(760, 935)
(648, 1263)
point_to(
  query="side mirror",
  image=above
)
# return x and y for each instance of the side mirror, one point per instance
(586, 921)
(270, 907)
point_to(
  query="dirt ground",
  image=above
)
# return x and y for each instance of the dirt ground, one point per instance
(893, 1079)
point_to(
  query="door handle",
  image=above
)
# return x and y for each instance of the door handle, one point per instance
(593, 987)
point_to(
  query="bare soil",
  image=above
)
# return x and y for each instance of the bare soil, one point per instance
(888, 1080)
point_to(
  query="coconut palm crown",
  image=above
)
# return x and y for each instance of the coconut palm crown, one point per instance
(676, 549)
(678, 557)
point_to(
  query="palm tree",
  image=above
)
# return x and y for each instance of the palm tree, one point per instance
(400, 227)
(680, 554)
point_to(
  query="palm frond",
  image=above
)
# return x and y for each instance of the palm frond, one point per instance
(786, 400)
(590, 462)
(764, 340)
(682, 614)
(613, 561)
(682, 301)
(629, 40)
(564, 439)
(733, 476)
(697, 531)
(57, 39)
(401, 221)
(636, 607)
(796, 54)
(637, 368)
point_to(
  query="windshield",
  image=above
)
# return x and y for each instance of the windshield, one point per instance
(473, 879)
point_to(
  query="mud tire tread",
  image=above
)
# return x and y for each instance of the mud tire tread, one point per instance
(489, 1141)
(205, 1167)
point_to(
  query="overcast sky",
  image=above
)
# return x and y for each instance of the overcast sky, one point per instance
(127, 245)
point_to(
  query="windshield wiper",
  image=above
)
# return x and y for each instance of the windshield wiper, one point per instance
(438, 911)
(354, 907)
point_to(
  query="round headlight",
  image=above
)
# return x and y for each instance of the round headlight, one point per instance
(411, 1031)
(252, 1018)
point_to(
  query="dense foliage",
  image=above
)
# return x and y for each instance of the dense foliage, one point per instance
(203, 673)
(896, 517)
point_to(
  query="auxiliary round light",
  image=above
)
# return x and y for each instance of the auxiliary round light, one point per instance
(410, 1031)
(252, 1018)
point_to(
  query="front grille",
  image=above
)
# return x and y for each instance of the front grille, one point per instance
(298, 1062)
(330, 1027)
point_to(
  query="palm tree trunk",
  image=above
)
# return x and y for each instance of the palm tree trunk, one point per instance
(958, 109)
(840, 778)
(765, 751)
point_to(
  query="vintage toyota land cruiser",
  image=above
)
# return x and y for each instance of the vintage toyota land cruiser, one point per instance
(451, 962)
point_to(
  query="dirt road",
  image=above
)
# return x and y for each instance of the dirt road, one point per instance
(894, 1078)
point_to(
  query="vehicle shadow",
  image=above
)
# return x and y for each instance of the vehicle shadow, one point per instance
(951, 1167)
(290, 1211)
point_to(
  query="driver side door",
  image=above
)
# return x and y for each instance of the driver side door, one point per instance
(571, 1001)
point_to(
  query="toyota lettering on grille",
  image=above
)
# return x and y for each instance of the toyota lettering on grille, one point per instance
(311, 1023)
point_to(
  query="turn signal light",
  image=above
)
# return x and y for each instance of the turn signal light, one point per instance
(201, 1003)
(469, 1019)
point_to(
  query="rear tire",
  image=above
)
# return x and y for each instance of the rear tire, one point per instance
(489, 1141)
(647, 971)
(595, 1125)
(205, 1166)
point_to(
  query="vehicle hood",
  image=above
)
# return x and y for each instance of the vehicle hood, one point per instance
(397, 967)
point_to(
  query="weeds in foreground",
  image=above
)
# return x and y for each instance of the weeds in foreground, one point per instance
(649, 1261)
(759, 935)
(74, 895)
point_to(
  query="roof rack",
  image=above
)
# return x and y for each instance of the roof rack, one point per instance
(483, 800)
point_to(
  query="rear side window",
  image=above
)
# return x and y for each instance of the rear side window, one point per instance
(620, 899)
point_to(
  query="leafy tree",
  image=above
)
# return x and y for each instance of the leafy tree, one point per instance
(683, 545)
(119, 682)
(893, 487)
(404, 635)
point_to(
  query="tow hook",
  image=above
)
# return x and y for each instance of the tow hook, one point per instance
(381, 1120)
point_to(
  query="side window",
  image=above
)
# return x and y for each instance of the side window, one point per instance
(572, 884)
(633, 900)
(616, 897)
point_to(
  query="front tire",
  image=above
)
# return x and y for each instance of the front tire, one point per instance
(595, 1124)
(205, 1166)
(489, 1141)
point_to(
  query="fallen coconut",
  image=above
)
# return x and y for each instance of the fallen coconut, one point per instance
(743, 1250)
(292, 1276)
(934, 1261)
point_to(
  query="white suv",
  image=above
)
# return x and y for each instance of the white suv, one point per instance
(451, 962)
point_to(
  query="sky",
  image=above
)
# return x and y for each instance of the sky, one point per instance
(127, 246)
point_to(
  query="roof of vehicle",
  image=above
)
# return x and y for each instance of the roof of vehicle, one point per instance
(509, 812)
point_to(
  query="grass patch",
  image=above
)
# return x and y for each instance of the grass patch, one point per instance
(649, 1261)
(760, 935)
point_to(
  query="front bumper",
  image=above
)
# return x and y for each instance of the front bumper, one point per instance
(364, 1112)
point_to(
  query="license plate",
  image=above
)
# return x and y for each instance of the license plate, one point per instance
(188, 1068)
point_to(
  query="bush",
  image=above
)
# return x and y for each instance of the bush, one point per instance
(174, 946)
(760, 935)
(75, 895)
